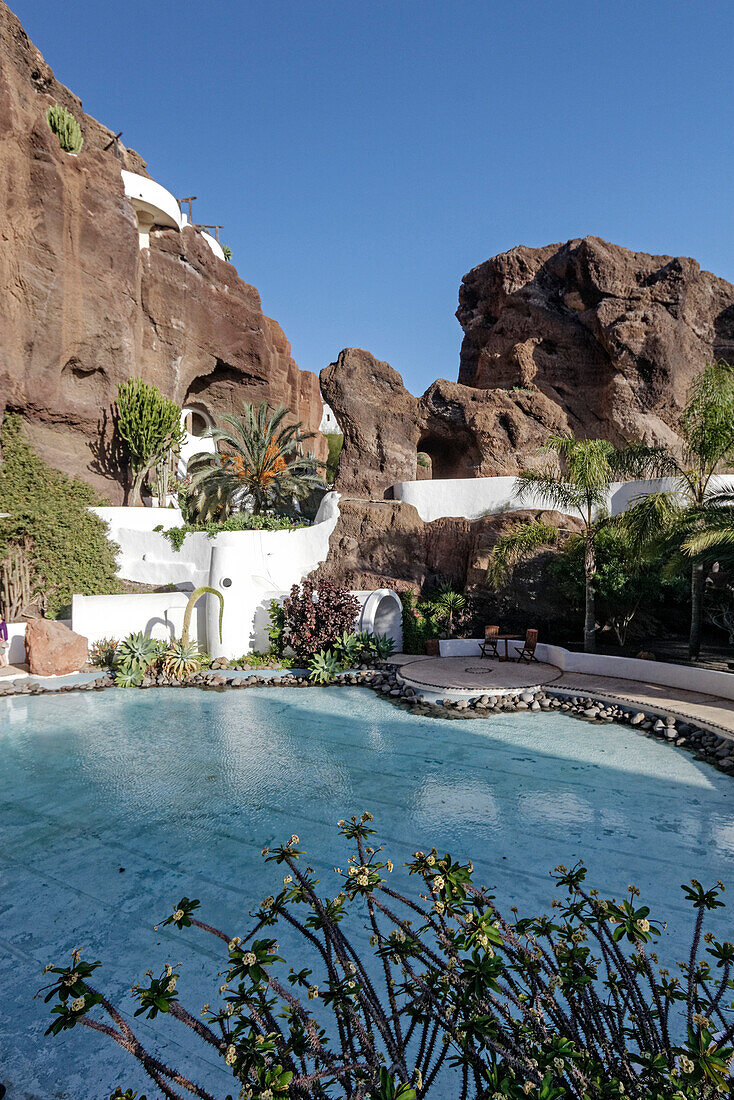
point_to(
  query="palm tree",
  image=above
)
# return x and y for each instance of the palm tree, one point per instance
(576, 482)
(259, 465)
(691, 515)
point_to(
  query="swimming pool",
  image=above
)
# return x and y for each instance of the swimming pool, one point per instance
(115, 804)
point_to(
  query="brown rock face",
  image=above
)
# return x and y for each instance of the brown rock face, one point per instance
(612, 338)
(385, 544)
(586, 337)
(84, 308)
(53, 649)
(467, 432)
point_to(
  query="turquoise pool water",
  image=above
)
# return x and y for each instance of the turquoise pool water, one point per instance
(183, 788)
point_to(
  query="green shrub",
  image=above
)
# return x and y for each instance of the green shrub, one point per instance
(241, 521)
(102, 652)
(69, 549)
(419, 623)
(227, 252)
(276, 629)
(335, 442)
(62, 123)
(572, 1004)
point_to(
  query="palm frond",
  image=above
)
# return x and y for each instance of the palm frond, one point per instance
(654, 521)
(516, 544)
(707, 424)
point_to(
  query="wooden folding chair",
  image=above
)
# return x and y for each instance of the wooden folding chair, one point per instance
(488, 648)
(527, 653)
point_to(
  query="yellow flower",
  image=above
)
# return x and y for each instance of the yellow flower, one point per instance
(230, 1056)
(178, 914)
(686, 1064)
(78, 1004)
(643, 925)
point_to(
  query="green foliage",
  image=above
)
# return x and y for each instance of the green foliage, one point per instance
(241, 521)
(227, 252)
(150, 427)
(181, 659)
(455, 998)
(625, 583)
(196, 595)
(424, 460)
(134, 658)
(446, 604)
(324, 667)
(260, 465)
(276, 628)
(68, 546)
(335, 442)
(419, 623)
(62, 123)
(516, 543)
(102, 652)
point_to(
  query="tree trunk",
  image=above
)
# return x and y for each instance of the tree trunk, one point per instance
(694, 638)
(590, 610)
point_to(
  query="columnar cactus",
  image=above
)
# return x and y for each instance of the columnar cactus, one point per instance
(66, 128)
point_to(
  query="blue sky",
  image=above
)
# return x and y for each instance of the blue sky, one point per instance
(363, 156)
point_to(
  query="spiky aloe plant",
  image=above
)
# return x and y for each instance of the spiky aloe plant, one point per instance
(62, 123)
(193, 599)
(181, 659)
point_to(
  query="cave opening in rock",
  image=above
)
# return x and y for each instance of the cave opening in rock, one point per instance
(441, 457)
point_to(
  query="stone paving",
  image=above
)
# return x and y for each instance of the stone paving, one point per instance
(466, 674)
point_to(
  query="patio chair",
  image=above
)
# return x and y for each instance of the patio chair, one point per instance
(527, 653)
(488, 648)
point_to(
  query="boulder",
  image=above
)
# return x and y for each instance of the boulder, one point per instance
(53, 649)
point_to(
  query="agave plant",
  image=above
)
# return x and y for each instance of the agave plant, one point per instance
(192, 601)
(181, 659)
(127, 678)
(384, 647)
(447, 603)
(259, 465)
(324, 667)
(135, 654)
(347, 649)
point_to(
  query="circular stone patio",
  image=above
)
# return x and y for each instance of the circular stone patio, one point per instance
(463, 675)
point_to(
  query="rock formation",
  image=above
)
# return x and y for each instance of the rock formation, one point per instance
(584, 337)
(468, 432)
(83, 307)
(611, 337)
(53, 649)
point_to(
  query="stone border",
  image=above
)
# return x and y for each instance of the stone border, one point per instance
(706, 745)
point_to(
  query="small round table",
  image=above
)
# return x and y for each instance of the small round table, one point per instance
(507, 638)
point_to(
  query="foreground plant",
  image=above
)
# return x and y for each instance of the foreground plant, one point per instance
(457, 1001)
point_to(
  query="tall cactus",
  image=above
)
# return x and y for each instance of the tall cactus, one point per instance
(193, 598)
(150, 427)
(66, 128)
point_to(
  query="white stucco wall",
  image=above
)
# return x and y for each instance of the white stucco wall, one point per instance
(259, 566)
(158, 614)
(623, 668)
(470, 498)
(147, 195)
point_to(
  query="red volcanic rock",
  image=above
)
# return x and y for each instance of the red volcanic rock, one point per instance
(53, 649)
(467, 432)
(611, 337)
(83, 308)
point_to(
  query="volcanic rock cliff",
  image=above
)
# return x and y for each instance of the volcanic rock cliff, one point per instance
(82, 307)
(585, 337)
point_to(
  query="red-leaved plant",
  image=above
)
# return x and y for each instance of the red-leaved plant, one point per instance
(316, 615)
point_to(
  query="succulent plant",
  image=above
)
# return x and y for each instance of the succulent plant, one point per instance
(62, 123)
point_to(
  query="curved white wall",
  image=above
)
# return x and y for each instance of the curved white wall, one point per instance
(148, 196)
(685, 678)
(381, 613)
(213, 244)
(471, 498)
